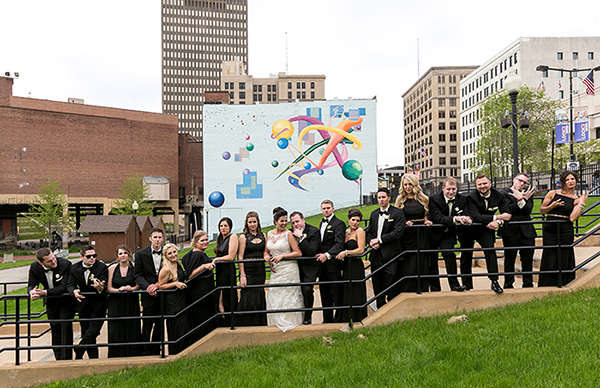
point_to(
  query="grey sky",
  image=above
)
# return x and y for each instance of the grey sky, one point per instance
(108, 52)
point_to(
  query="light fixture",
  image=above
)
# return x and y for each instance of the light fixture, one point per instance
(513, 82)
(135, 206)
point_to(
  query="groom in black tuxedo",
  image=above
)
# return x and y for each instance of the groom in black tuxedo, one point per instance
(53, 275)
(145, 272)
(450, 209)
(483, 203)
(332, 231)
(89, 276)
(309, 239)
(386, 227)
(520, 204)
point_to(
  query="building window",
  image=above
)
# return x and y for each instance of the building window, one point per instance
(260, 97)
(442, 126)
(453, 150)
(297, 85)
(442, 162)
(254, 97)
(242, 102)
(559, 56)
(260, 88)
(544, 73)
(268, 88)
(453, 126)
(268, 97)
(303, 85)
(312, 95)
(242, 85)
(591, 56)
(575, 55)
(226, 85)
(452, 114)
(297, 94)
(453, 137)
(242, 95)
(231, 95)
(312, 85)
(453, 160)
(274, 88)
(561, 94)
(441, 102)
(254, 88)
(303, 95)
(289, 85)
(290, 95)
(442, 137)
(274, 97)
(442, 114)
(442, 149)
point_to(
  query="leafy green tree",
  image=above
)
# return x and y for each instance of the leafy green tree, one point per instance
(134, 189)
(535, 142)
(50, 211)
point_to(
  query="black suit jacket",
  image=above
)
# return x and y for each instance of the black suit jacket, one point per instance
(333, 243)
(60, 278)
(309, 245)
(484, 215)
(518, 214)
(392, 231)
(144, 271)
(97, 302)
(438, 209)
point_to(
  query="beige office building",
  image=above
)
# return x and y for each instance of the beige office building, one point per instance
(431, 124)
(245, 89)
(197, 36)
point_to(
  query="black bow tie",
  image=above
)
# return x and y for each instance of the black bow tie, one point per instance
(156, 252)
(48, 269)
(383, 212)
(325, 221)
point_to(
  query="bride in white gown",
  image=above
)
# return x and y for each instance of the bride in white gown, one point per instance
(281, 244)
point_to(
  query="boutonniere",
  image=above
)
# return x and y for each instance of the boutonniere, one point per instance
(58, 277)
(458, 211)
(91, 277)
(493, 209)
(387, 217)
(328, 226)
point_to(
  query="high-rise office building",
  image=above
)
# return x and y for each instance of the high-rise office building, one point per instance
(197, 36)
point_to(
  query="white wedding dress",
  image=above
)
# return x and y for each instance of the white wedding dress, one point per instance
(278, 298)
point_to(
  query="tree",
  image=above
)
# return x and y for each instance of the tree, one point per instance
(50, 211)
(494, 149)
(134, 189)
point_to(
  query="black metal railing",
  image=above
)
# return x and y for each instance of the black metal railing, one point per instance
(17, 319)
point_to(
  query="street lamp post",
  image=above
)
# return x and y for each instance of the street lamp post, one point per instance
(135, 206)
(513, 84)
(571, 129)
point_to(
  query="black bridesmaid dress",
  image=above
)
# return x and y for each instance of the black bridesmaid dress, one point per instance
(124, 304)
(359, 289)
(198, 294)
(175, 303)
(253, 299)
(224, 270)
(410, 264)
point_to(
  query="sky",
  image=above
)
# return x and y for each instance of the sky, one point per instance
(108, 52)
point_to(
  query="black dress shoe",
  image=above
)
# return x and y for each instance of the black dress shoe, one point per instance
(496, 287)
(459, 288)
(307, 322)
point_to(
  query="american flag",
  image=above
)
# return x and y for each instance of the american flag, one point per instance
(422, 151)
(541, 87)
(589, 83)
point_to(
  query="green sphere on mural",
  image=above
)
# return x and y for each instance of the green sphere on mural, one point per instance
(249, 146)
(352, 170)
(274, 163)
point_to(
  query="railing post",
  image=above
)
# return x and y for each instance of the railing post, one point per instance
(559, 255)
(418, 261)
(29, 328)
(162, 325)
(17, 331)
(232, 278)
(350, 262)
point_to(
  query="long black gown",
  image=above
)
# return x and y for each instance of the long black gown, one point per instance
(175, 302)
(550, 255)
(359, 289)
(224, 271)
(124, 304)
(407, 266)
(253, 299)
(198, 290)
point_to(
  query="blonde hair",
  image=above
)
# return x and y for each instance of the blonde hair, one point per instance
(166, 263)
(196, 237)
(417, 192)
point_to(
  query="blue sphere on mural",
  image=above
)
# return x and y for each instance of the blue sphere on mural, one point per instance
(307, 166)
(216, 199)
(320, 172)
(250, 146)
(352, 170)
(226, 155)
(282, 143)
(293, 180)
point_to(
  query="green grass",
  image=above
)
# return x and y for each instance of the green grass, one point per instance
(16, 263)
(36, 305)
(551, 342)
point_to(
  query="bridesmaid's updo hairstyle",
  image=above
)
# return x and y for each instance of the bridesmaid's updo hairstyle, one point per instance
(196, 237)
(354, 213)
(279, 212)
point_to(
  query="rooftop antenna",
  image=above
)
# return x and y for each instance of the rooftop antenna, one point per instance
(286, 54)
(418, 68)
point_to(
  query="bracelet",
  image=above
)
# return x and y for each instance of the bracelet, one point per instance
(243, 275)
(581, 205)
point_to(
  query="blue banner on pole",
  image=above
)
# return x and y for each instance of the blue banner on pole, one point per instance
(562, 134)
(582, 131)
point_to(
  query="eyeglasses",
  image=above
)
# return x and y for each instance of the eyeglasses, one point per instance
(93, 256)
(522, 181)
